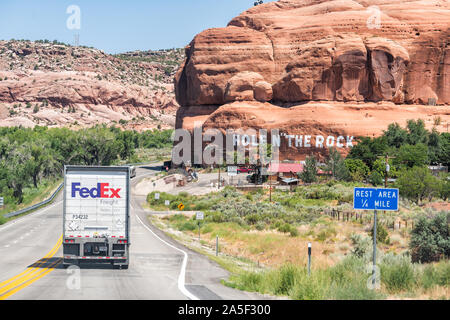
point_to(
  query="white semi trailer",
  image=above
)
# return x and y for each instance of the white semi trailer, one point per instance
(96, 215)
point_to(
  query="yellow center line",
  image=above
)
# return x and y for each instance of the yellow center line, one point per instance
(29, 273)
(37, 276)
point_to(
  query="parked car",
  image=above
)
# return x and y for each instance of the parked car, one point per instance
(243, 170)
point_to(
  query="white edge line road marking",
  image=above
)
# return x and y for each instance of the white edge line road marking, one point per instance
(182, 275)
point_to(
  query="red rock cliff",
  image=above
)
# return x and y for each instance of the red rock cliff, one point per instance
(363, 60)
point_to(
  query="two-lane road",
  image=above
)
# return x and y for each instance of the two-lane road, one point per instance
(159, 268)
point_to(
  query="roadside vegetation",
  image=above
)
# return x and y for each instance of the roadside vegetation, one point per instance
(413, 262)
(413, 244)
(31, 160)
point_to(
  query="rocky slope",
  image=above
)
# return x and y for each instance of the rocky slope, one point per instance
(59, 85)
(336, 57)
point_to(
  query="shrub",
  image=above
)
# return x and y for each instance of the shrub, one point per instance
(436, 275)
(375, 178)
(430, 239)
(252, 218)
(382, 234)
(326, 233)
(361, 245)
(313, 287)
(293, 232)
(286, 278)
(357, 168)
(418, 183)
(355, 289)
(249, 281)
(188, 226)
(260, 225)
(285, 228)
(397, 273)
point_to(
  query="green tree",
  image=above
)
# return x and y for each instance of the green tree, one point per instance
(395, 135)
(375, 178)
(17, 167)
(418, 183)
(380, 166)
(435, 147)
(444, 192)
(412, 155)
(336, 165)
(357, 168)
(368, 149)
(430, 238)
(309, 173)
(444, 153)
(417, 133)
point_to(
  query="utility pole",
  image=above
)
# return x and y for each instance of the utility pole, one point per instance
(218, 184)
(270, 189)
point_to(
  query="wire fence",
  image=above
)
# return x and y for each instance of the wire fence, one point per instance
(394, 223)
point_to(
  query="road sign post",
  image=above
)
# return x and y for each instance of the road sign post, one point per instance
(375, 199)
(217, 245)
(199, 217)
(374, 259)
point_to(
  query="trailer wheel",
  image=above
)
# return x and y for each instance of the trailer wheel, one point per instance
(124, 266)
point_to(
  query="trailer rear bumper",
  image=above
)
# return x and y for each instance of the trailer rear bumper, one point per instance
(72, 260)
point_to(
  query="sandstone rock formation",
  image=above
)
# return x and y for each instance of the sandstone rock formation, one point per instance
(293, 53)
(326, 50)
(59, 85)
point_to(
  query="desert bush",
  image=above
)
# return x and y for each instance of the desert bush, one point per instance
(188, 226)
(397, 272)
(217, 217)
(326, 233)
(260, 225)
(382, 234)
(285, 228)
(286, 278)
(249, 281)
(436, 275)
(361, 245)
(313, 287)
(430, 238)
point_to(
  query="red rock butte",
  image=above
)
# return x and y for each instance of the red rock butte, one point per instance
(320, 68)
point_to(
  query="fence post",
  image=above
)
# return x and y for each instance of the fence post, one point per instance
(309, 258)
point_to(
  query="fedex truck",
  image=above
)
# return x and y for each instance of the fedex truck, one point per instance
(96, 215)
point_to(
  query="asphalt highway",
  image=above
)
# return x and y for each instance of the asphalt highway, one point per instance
(160, 268)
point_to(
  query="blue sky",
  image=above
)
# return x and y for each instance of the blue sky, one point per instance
(117, 26)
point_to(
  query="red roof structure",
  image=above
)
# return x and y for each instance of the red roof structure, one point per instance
(289, 167)
(285, 167)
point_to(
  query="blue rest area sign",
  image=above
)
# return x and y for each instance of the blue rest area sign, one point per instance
(375, 199)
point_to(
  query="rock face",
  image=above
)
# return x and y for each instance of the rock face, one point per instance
(325, 50)
(290, 55)
(59, 85)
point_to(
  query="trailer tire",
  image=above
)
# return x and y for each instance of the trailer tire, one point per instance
(124, 266)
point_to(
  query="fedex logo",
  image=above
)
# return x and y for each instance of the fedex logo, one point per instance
(102, 191)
